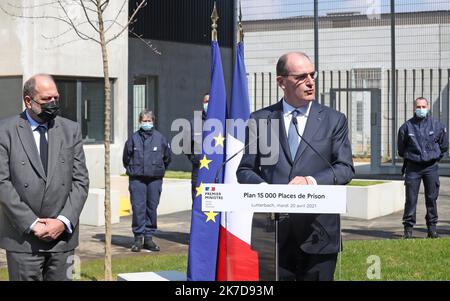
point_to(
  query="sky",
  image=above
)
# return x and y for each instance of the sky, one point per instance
(275, 9)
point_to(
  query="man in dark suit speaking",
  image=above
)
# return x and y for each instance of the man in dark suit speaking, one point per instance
(43, 186)
(308, 243)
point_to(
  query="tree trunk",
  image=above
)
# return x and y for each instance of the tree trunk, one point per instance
(107, 138)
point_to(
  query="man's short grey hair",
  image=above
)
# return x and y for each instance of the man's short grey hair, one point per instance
(419, 98)
(29, 87)
(281, 64)
(147, 113)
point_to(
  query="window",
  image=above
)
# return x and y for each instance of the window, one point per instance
(367, 78)
(10, 96)
(83, 101)
(145, 96)
(359, 116)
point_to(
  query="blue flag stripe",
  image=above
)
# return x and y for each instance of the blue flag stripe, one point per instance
(240, 104)
(203, 243)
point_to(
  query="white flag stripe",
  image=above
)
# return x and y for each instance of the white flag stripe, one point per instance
(237, 223)
(233, 146)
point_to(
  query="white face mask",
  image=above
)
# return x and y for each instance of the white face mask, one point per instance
(146, 126)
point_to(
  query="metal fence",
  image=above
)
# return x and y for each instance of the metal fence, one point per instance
(401, 51)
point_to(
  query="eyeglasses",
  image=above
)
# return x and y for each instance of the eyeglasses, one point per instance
(302, 77)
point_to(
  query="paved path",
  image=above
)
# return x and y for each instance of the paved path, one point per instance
(173, 233)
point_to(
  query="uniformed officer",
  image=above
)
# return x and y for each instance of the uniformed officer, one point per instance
(196, 147)
(146, 156)
(422, 142)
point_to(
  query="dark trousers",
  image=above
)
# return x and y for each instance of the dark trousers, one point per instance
(41, 266)
(145, 193)
(263, 241)
(294, 264)
(415, 173)
(194, 177)
(297, 265)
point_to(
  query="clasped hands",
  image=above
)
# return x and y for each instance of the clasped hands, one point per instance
(301, 181)
(48, 229)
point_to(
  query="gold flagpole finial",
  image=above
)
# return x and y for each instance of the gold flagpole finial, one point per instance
(214, 18)
(240, 30)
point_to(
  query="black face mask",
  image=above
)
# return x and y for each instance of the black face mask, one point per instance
(49, 111)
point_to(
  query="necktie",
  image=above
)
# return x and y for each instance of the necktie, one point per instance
(43, 146)
(293, 138)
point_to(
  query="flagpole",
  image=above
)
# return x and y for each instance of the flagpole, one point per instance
(204, 234)
(240, 29)
(214, 18)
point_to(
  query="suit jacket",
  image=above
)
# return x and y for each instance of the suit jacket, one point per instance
(327, 131)
(27, 193)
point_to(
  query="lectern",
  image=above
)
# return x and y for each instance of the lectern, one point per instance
(267, 206)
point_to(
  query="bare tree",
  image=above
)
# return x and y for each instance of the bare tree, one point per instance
(90, 26)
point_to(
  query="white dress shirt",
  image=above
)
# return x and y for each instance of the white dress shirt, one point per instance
(37, 137)
(302, 117)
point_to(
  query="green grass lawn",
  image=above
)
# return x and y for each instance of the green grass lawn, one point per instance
(178, 174)
(415, 259)
(92, 269)
(174, 174)
(143, 262)
(364, 183)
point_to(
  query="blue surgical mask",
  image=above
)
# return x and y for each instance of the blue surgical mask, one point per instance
(205, 107)
(146, 126)
(421, 113)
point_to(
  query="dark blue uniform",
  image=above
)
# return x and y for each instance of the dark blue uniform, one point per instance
(196, 145)
(146, 156)
(422, 142)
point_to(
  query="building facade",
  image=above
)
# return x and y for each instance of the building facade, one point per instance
(162, 64)
(37, 44)
(170, 62)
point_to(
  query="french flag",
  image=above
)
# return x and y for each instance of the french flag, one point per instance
(236, 260)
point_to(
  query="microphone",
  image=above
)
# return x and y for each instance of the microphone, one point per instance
(216, 176)
(294, 121)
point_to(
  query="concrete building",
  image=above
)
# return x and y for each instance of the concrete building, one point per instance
(166, 68)
(35, 44)
(172, 75)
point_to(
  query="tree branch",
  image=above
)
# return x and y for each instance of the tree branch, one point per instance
(31, 6)
(87, 8)
(142, 4)
(81, 35)
(65, 43)
(148, 43)
(117, 16)
(87, 17)
(77, 31)
(63, 33)
(104, 5)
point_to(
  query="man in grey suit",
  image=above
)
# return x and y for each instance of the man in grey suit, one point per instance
(43, 186)
(308, 243)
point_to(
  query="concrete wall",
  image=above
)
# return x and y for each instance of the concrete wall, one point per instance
(26, 51)
(183, 72)
(417, 46)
